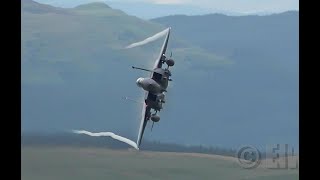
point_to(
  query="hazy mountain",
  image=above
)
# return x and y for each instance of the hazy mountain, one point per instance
(144, 10)
(257, 98)
(75, 70)
(217, 32)
(148, 10)
(235, 85)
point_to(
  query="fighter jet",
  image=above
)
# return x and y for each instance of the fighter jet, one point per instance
(155, 88)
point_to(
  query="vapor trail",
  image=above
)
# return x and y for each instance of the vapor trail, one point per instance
(149, 39)
(110, 134)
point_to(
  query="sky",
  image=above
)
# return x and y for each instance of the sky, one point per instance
(242, 6)
(239, 6)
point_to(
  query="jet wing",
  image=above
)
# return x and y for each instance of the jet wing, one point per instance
(144, 120)
(146, 110)
(158, 63)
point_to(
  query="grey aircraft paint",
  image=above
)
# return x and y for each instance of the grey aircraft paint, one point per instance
(155, 87)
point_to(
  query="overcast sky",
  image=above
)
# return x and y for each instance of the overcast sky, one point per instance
(243, 6)
(233, 5)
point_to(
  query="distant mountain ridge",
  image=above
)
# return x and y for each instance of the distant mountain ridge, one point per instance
(93, 5)
(262, 84)
(148, 10)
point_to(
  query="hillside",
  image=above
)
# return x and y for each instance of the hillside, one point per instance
(100, 163)
(92, 32)
(258, 96)
(75, 73)
(272, 34)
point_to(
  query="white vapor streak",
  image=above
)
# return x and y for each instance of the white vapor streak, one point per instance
(149, 39)
(110, 134)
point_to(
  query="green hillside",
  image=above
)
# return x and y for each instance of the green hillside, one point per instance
(257, 98)
(83, 38)
(99, 163)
